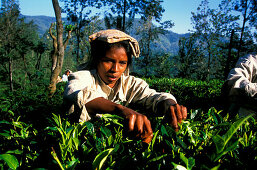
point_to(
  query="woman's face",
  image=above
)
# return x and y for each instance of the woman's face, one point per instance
(111, 67)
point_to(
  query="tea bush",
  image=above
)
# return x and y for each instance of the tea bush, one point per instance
(35, 133)
(191, 93)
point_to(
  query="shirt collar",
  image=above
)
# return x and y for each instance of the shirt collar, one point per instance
(108, 90)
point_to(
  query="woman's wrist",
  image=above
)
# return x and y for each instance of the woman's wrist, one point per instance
(171, 102)
(163, 106)
(119, 109)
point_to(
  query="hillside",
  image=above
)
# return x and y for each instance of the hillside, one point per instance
(43, 22)
(166, 43)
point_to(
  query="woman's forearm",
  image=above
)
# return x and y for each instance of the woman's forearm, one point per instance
(101, 105)
(136, 122)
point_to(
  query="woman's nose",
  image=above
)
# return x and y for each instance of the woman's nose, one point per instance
(115, 67)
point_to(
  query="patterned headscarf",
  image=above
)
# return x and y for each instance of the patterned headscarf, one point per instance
(113, 36)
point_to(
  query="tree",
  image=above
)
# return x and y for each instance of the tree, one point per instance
(186, 59)
(248, 8)
(78, 13)
(40, 48)
(121, 8)
(16, 37)
(9, 20)
(162, 65)
(151, 11)
(213, 26)
(89, 29)
(27, 38)
(227, 67)
(58, 47)
(203, 27)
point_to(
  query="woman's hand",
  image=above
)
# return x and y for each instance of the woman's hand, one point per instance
(175, 113)
(138, 124)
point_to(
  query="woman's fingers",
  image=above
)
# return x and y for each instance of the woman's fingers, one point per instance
(184, 112)
(148, 127)
(132, 120)
(140, 123)
(148, 135)
(141, 127)
(177, 114)
(174, 122)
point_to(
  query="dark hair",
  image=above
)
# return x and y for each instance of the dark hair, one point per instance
(99, 49)
(67, 71)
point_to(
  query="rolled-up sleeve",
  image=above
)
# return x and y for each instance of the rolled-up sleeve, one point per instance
(140, 93)
(77, 93)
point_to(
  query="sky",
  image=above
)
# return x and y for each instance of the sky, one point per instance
(179, 11)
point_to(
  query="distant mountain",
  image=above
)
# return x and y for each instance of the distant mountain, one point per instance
(43, 22)
(167, 43)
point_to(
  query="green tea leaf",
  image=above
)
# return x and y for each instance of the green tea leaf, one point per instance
(4, 121)
(234, 128)
(230, 148)
(72, 164)
(15, 151)
(190, 162)
(164, 131)
(154, 139)
(90, 127)
(5, 134)
(178, 167)
(193, 114)
(18, 124)
(51, 128)
(157, 158)
(183, 144)
(101, 158)
(11, 160)
(219, 143)
(106, 131)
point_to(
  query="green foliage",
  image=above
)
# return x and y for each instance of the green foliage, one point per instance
(69, 27)
(105, 145)
(193, 94)
(50, 140)
(101, 158)
(19, 137)
(222, 141)
(11, 160)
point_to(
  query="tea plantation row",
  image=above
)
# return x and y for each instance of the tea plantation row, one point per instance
(35, 133)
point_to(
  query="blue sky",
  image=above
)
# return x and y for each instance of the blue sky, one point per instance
(179, 11)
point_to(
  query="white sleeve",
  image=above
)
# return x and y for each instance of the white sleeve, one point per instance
(243, 78)
(77, 92)
(77, 82)
(140, 93)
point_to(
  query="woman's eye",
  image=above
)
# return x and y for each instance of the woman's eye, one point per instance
(107, 61)
(123, 62)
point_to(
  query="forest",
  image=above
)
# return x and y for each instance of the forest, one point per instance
(36, 133)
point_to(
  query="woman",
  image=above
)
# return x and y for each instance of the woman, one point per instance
(107, 83)
(66, 75)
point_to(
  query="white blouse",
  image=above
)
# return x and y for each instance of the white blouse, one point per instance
(84, 86)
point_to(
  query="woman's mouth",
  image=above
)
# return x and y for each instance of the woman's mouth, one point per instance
(112, 78)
